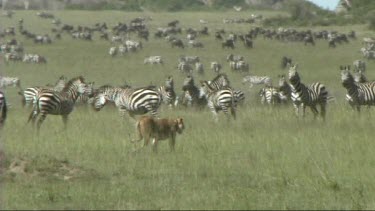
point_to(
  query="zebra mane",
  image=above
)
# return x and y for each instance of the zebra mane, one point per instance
(221, 75)
(72, 81)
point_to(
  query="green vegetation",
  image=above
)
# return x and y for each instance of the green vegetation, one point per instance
(266, 159)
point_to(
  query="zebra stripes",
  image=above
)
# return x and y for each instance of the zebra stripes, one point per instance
(284, 89)
(218, 99)
(58, 103)
(128, 100)
(29, 94)
(167, 92)
(358, 94)
(256, 80)
(3, 109)
(270, 95)
(303, 95)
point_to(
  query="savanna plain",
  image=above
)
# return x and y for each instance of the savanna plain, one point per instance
(265, 159)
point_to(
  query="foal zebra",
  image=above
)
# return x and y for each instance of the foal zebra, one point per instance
(58, 103)
(3, 109)
(217, 100)
(358, 94)
(303, 95)
(136, 101)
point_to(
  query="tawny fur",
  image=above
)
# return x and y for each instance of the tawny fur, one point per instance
(158, 129)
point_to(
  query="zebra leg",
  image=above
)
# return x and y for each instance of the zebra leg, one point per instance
(303, 110)
(33, 115)
(40, 121)
(323, 111)
(314, 110)
(214, 111)
(65, 121)
(296, 109)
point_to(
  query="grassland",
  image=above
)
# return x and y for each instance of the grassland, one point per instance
(266, 159)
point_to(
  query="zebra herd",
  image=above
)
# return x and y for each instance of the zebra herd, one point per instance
(216, 94)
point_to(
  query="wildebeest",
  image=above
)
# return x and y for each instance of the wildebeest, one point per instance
(228, 44)
(177, 43)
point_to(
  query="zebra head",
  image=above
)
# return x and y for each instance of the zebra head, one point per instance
(99, 101)
(293, 74)
(89, 89)
(205, 89)
(75, 86)
(188, 82)
(346, 76)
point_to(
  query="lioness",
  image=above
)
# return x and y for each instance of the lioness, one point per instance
(159, 129)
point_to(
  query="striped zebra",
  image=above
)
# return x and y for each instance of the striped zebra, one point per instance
(3, 109)
(191, 96)
(29, 94)
(358, 94)
(284, 89)
(167, 92)
(85, 98)
(218, 100)
(359, 65)
(221, 81)
(270, 95)
(359, 76)
(303, 95)
(10, 81)
(134, 101)
(239, 97)
(58, 103)
(257, 80)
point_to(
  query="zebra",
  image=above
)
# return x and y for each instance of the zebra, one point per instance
(219, 82)
(215, 66)
(256, 80)
(359, 65)
(269, 95)
(284, 89)
(85, 98)
(134, 101)
(303, 95)
(30, 93)
(358, 94)
(153, 60)
(199, 68)
(239, 97)
(3, 109)
(218, 99)
(58, 103)
(10, 81)
(359, 77)
(185, 67)
(167, 92)
(190, 96)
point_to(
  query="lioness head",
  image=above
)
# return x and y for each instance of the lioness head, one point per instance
(179, 124)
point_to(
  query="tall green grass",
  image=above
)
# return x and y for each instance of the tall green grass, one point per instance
(266, 159)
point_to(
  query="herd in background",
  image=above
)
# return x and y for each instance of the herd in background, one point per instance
(216, 94)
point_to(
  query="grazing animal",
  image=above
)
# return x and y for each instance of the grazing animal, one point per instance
(229, 43)
(58, 103)
(359, 65)
(360, 77)
(257, 80)
(153, 60)
(134, 101)
(159, 129)
(218, 100)
(199, 68)
(302, 95)
(185, 67)
(190, 96)
(216, 67)
(358, 94)
(10, 81)
(3, 109)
